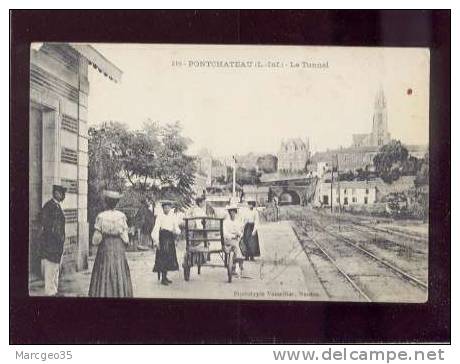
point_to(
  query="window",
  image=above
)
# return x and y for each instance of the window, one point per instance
(345, 191)
(71, 215)
(345, 201)
(353, 199)
(365, 200)
(69, 156)
(70, 184)
(69, 123)
(367, 191)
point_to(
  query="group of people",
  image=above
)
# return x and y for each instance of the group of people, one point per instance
(157, 228)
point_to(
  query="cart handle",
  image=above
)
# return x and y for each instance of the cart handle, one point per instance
(204, 217)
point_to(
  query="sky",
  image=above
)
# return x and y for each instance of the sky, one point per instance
(236, 110)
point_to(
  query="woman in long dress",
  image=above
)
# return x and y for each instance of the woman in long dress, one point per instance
(250, 235)
(110, 276)
(164, 233)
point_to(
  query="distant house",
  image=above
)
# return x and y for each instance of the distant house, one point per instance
(346, 193)
(351, 159)
(259, 193)
(347, 159)
(293, 155)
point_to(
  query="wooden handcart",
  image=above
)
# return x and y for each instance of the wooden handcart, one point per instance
(202, 243)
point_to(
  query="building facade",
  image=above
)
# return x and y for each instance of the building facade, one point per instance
(204, 165)
(58, 142)
(258, 193)
(347, 159)
(345, 193)
(293, 155)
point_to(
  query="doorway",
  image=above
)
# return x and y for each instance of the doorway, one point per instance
(35, 188)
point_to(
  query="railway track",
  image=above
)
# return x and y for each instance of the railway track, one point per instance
(384, 272)
(391, 266)
(344, 274)
(374, 229)
(400, 255)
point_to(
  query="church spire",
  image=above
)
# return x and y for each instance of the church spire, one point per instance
(380, 134)
(380, 101)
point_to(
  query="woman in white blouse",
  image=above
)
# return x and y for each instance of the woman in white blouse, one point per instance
(250, 235)
(233, 232)
(110, 276)
(164, 232)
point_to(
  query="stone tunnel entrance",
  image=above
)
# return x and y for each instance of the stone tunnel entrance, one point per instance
(289, 198)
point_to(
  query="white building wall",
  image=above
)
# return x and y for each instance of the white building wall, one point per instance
(346, 196)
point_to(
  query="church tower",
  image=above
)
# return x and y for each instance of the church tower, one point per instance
(380, 134)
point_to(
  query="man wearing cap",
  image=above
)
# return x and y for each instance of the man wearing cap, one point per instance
(52, 239)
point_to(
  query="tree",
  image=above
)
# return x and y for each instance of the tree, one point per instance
(247, 176)
(389, 161)
(423, 174)
(105, 166)
(347, 176)
(141, 159)
(267, 163)
(152, 161)
(364, 174)
(176, 170)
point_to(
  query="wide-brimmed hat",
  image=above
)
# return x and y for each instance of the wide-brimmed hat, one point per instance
(167, 202)
(114, 195)
(59, 188)
(200, 199)
(231, 206)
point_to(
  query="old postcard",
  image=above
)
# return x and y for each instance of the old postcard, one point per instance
(235, 172)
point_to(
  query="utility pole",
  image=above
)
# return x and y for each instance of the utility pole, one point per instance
(332, 182)
(234, 179)
(338, 186)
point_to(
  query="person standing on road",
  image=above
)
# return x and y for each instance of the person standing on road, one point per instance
(144, 222)
(199, 210)
(164, 232)
(52, 240)
(276, 207)
(250, 235)
(111, 276)
(233, 231)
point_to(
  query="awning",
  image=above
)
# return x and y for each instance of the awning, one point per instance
(98, 61)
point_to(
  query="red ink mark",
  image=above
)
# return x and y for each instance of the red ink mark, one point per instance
(409, 91)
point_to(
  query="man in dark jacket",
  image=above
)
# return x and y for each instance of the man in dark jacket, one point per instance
(144, 222)
(52, 239)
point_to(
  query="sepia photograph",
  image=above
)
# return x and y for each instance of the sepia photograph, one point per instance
(229, 172)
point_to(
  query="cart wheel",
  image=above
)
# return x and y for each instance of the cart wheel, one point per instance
(186, 272)
(229, 259)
